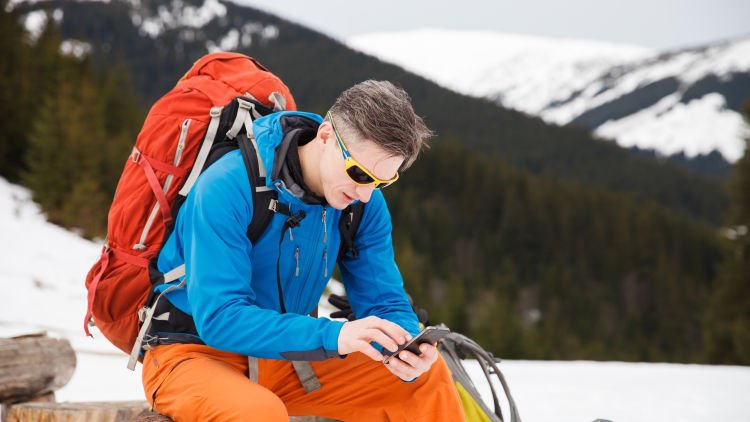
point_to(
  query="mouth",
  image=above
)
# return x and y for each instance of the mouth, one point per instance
(347, 197)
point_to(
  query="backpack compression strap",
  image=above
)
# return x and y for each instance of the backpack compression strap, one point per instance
(348, 225)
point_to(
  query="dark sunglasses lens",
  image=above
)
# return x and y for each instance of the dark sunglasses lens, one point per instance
(358, 175)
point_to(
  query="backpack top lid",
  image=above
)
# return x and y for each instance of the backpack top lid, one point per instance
(243, 74)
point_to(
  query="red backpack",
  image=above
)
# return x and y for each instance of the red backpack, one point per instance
(172, 149)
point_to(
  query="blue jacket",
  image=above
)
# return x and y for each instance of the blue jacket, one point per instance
(231, 290)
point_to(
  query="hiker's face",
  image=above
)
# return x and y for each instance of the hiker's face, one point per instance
(338, 188)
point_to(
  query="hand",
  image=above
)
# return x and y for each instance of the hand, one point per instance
(342, 303)
(355, 336)
(409, 366)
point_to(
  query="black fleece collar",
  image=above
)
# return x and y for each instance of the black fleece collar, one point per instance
(298, 131)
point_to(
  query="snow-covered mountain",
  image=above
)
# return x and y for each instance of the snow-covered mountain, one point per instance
(42, 268)
(683, 101)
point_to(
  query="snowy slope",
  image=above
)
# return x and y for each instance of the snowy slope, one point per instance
(671, 102)
(41, 289)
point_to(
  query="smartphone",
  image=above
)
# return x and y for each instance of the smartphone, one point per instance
(429, 335)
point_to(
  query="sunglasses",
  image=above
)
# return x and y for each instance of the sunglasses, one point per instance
(355, 170)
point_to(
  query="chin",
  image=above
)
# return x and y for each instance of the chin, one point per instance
(339, 205)
(339, 200)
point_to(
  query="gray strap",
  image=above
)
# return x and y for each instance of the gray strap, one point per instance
(306, 375)
(162, 317)
(261, 167)
(208, 142)
(278, 100)
(252, 368)
(147, 314)
(243, 113)
(251, 137)
(174, 274)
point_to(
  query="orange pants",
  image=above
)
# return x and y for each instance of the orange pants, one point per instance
(190, 382)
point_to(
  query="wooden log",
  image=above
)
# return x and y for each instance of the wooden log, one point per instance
(156, 417)
(34, 365)
(151, 417)
(135, 411)
(78, 412)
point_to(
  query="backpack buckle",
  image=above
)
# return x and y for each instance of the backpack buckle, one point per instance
(142, 313)
(135, 155)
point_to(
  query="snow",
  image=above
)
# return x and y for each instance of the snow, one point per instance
(560, 79)
(230, 41)
(177, 15)
(687, 66)
(76, 48)
(34, 23)
(628, 392)
(243, 37)
(41, 280)
(712, 127)
(529, 72)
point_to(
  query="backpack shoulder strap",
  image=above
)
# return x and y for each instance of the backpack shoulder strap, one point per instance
(262, 196)
(351, 217)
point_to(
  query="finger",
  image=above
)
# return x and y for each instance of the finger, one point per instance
(427, 359)
(423, 362)
(382, 339)
(371, 352)
(429, 353)
(339, 314)
(393, 330)
(402, 369)
(413, 361)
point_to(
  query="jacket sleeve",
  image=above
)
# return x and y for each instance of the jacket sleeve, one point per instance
(373, 282)
(218, 271)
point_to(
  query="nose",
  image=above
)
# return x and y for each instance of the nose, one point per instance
(364, 192)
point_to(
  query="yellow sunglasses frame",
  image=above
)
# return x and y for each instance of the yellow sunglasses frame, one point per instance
(350, 162)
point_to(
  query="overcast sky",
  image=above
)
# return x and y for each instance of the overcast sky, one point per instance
(660, 24)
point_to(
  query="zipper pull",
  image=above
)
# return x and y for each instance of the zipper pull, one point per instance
(181, 142)
(325, 226)
(325, 258)
(296, 258)
(291, 236)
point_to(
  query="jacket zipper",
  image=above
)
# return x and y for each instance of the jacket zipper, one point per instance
(309, 263)
(296, 258)
(325, 226)
(167, 183)
(325, 241)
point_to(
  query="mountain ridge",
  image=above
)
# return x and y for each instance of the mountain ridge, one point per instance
(600, 86)
(317, 68)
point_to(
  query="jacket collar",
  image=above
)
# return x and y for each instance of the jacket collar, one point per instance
(275, 134)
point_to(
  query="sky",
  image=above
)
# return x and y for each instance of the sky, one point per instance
(659, 24)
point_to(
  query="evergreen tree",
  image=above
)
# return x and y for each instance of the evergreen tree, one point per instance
(73, 162)
(65, 130)
(15, 92)
(728, 316)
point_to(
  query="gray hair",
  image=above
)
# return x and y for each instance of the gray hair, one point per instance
(381, 112)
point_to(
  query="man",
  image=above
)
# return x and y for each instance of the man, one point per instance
(254, 299)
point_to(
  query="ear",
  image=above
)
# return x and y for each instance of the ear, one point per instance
(325, 131)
